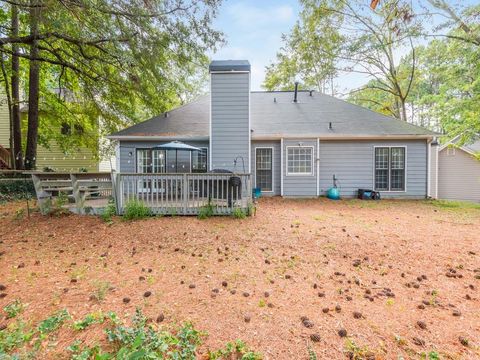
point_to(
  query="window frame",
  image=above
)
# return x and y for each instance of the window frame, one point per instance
(389, 147)
(151, 155)
(272, 169)
(312, 173)
(206, 161)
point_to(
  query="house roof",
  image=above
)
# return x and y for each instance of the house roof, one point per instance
(472, 147)
(275, 115)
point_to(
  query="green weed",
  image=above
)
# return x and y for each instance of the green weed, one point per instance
(109, 211)
(206, 211)
(239, 213)
(135, 210)
(13, 309)
(53, 322)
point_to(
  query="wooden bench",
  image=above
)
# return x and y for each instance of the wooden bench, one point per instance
(50, 185)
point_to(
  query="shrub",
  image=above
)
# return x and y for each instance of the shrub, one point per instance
(238, 213)
(135, 209)
(109, 211)
(205, 211)
(16, 189)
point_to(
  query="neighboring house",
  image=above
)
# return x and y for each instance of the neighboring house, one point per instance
(459, 171)
(53, 157)
(292, 143)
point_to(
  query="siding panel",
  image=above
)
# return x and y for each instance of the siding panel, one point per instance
(230, 132)
(302, 185)
(353, 164)
(458, 176)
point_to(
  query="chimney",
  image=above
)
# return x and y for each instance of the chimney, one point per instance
(229, 115)
(296, 92)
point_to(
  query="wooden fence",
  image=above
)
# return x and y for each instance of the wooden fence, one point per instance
(169, 194)
(184, 194)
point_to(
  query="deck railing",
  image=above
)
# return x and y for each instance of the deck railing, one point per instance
(184, 194)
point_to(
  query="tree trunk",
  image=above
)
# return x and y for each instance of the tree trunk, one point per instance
(15, 111)
(33, 89)
(403, 110)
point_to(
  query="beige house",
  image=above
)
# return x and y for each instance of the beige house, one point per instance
(459, 171)
(53, 158)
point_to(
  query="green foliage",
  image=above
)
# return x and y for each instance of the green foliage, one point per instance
(136, 209)
(61, 200)
(90, 319)
(14, 336)
(109, 211)
(451, 204)
(206, 211)
(309, 51)
(237, 350)
(143, 341)
(16, 189)
(53, 322)
(239, 213)
(14, 308)
(312, 355)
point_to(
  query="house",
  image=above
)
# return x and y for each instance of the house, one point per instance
(54, 157)
(459, 171)
(292, 142)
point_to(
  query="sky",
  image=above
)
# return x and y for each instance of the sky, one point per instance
(253, 30)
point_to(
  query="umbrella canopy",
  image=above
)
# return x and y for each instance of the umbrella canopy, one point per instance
(177, 145)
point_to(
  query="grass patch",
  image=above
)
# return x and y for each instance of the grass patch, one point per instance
(451, 204)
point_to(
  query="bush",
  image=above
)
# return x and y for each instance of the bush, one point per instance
(205, 211)
(110, 210)
(16, 189)
(238, 213)
(135, 209)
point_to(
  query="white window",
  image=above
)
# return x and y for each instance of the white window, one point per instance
(390, 168)
(299, 160)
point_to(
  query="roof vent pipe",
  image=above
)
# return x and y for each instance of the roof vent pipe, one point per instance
(311, 92)
(330, 127)
(296, 92)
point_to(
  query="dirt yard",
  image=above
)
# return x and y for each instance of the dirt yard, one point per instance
(401, 279)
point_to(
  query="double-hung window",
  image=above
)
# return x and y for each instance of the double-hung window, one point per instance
(390, 168)
(299, 160)
(264, 168)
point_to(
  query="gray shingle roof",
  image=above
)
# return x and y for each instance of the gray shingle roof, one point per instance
(275, 115)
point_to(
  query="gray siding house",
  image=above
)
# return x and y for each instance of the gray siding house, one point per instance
(292, 143)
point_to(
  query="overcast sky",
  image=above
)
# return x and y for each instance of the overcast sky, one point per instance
(253, 31)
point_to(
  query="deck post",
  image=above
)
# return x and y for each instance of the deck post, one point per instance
(113, 177)
(40, 196)
(79, 203)
(185, 193)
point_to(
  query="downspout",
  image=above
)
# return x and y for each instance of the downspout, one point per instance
(281, 166)
(429, 166)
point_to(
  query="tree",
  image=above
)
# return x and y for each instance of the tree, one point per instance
(119, 61)
(309, 52)
(363, 42)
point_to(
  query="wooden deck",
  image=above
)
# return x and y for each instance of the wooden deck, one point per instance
(168, 194)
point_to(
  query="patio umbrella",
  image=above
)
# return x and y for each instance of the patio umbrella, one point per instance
(176, 145)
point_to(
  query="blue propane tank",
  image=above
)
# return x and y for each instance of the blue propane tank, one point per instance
(333, 193)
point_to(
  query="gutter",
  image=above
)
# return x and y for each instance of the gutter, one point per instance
(306, 136)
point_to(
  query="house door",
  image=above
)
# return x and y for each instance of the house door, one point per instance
(150, 162)
(264, 169)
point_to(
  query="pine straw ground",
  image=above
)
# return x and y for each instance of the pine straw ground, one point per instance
(317, 259)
